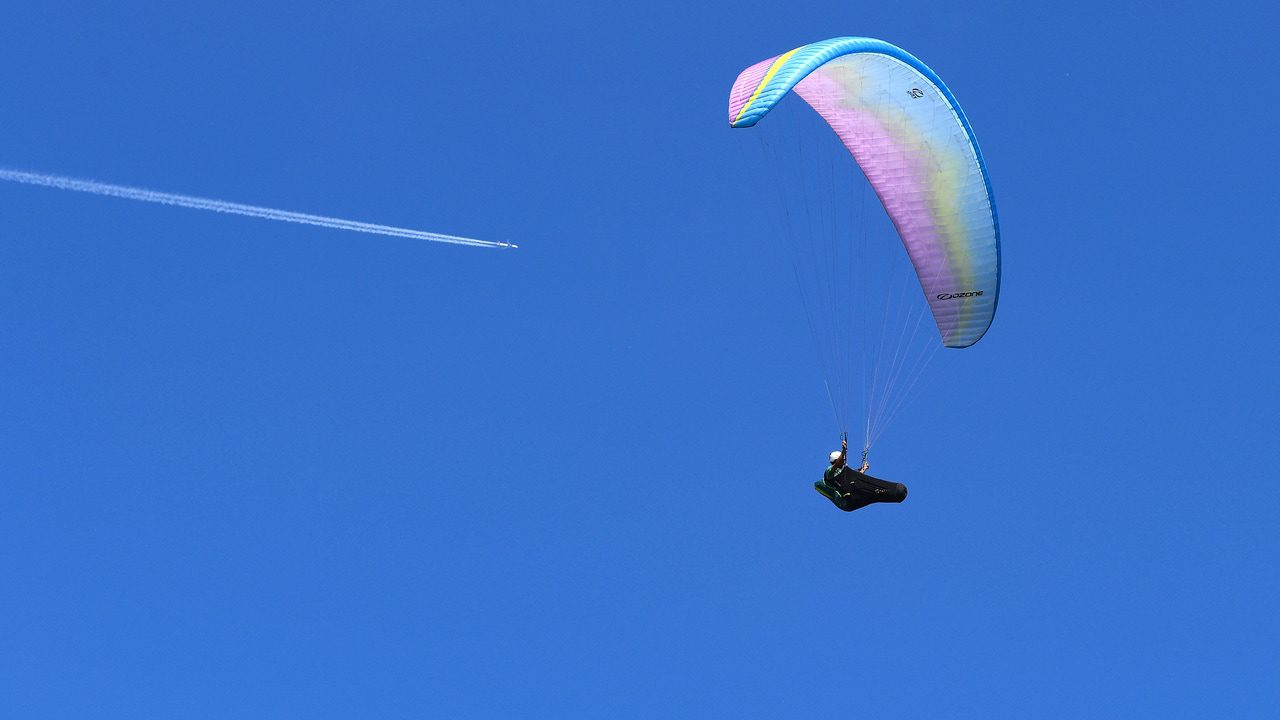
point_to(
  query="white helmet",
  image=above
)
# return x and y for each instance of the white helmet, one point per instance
(836, 456)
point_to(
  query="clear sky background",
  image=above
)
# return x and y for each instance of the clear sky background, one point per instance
(259, 470)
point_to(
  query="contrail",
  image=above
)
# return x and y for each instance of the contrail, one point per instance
(222, 206)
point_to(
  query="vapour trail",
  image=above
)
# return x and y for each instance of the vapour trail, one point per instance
(132, 193)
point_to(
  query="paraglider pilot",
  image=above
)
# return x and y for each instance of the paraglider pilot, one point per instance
(851, 489)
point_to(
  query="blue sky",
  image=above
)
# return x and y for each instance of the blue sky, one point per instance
(260, 470)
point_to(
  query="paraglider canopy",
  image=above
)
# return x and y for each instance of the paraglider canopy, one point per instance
(911, 139)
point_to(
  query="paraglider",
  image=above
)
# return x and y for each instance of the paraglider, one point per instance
(913, 144)
(851, 489)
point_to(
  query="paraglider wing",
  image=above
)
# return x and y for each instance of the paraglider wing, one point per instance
(911, 139)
